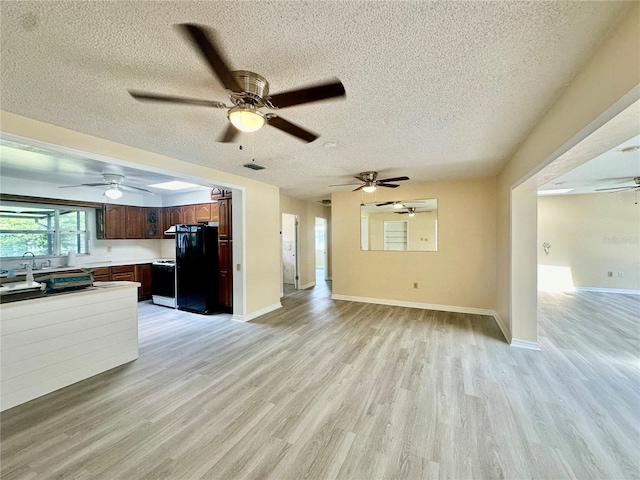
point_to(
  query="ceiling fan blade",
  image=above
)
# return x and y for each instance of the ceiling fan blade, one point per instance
(395, 179)
(292, 129)
(201, 39)
(629, 187)
(359, 188)
(135, 189)
(360, 177)
(87, 185)
(384, 204)
(229, 134)
(388, 185)
(152, 97)
(308, 95)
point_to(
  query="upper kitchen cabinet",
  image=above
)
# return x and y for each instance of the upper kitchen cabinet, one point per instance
(203, 212)
(153, 222)
(135, 222)
(189, 214)
(114, 221)
(175, 216)
(206, 212)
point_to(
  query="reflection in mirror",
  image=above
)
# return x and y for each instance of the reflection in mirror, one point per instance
(403, 225)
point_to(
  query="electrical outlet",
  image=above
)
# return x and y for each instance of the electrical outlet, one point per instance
(609, 274)
(109, 249)
(621, 274)
(415, 284)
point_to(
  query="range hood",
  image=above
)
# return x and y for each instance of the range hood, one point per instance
(171, 230)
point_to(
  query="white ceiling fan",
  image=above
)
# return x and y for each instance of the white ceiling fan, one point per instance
(115, 186)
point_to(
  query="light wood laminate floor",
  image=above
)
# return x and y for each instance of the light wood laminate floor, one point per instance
(333, 389)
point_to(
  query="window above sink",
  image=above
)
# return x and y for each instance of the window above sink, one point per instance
(44, 230)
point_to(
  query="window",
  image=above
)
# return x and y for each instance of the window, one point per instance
(43, 230)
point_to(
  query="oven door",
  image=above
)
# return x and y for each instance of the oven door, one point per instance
(163, 281)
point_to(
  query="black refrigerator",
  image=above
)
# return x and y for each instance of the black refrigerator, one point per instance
(197, 268)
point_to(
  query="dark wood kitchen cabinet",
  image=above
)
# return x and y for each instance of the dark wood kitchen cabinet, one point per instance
(114, 221)
(170, 216)
(224, 218)
(153, 222)
(175, 216)
(226, 274)
(135, 222)
(143, 276)
(125, 273)
(203, 212)
(189, 214)
(214, 212)
(102, 274)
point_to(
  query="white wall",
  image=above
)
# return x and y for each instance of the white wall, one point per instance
(592, 235)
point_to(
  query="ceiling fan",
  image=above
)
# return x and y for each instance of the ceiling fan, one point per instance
(114, 184)
(249, 92)
(635, 187)
(370, 182)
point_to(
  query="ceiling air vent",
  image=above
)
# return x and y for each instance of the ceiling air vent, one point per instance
(253, 166)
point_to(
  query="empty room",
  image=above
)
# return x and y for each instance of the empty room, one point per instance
(323, 240)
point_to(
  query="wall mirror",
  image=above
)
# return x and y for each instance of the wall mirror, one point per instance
(402, 225)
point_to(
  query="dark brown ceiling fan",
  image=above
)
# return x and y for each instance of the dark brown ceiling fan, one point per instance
(249, 92)
(635, 187)
(370, 182)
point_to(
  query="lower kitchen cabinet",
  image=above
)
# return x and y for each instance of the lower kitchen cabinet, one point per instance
(143, 276)
(102, 274)
(124, 273)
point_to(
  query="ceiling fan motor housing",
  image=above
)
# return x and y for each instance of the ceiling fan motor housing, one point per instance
(256, 88)
(112, 178)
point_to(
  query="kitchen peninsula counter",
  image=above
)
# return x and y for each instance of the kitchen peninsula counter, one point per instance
(50, 342)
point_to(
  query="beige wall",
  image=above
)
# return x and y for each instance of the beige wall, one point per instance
(592, 235)
(307, 213)
(606, 85)
(262, 239)
(460, 274)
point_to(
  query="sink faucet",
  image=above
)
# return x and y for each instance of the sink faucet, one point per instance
(33, 258)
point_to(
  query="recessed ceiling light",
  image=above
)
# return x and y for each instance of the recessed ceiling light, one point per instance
(175, 185)
(557, 191)
(330, 145)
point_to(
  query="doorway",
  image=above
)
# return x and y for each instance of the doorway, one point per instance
(321, 249)
(289, 253)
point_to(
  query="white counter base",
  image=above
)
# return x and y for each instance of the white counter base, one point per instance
(51, 342)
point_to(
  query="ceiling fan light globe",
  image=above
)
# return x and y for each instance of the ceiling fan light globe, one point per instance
(411, 214)
(246, 118)
(113, 192)
(398, 205)
(369, 188)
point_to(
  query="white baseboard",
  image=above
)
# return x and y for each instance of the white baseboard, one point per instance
(503, 328)
(608, 290)
(516, 342)
(257, 313)
(307, 285)
(424, 306)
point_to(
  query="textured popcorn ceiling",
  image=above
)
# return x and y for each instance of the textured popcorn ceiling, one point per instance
(435, 91)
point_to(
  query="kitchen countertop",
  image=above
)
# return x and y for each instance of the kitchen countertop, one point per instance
(115, 263)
